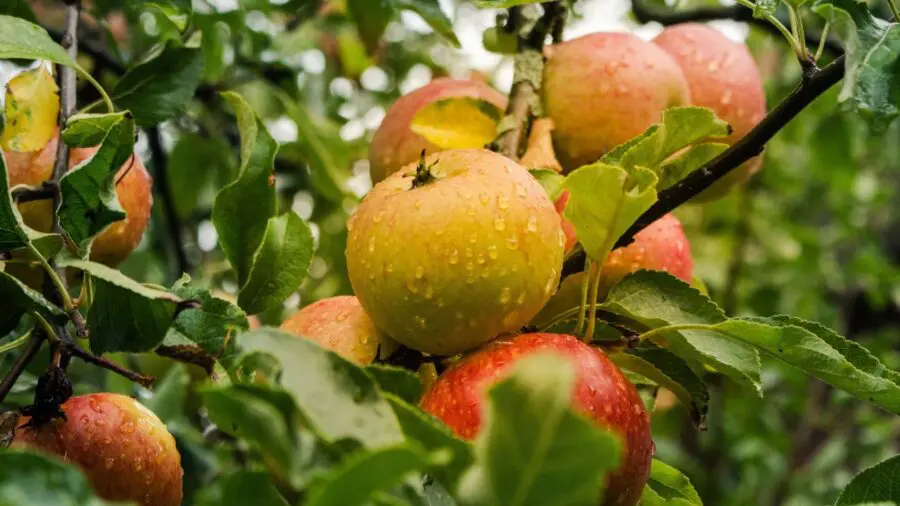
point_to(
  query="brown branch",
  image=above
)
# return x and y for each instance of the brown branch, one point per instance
(815, 82)
(46, 191)
(76, 351)
(161, 181)
(645, 13)
(34, 346)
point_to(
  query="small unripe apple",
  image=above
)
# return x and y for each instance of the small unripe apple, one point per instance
(662, 246)
(449, 253)
(722, 76)
(394, 145)
(603, 89)
(601, 392)
(123, 448)
(341, 325)
(133, 187)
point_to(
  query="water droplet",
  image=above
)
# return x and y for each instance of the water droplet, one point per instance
(473, 238)
(726, 98)
(371, 275)
(470, 266)
(429, 292)
(377, 218)
(503, 200)
(492, 251)
(343, 315)
(127, 427)
(469, 253)
(454, 257)
(421, 322)
(389, 268)
(505, 295)
(713, 66)
(499, 224)
(109, 462)
(371, 244)
(520, 190)
(485, 273)
(364, 339)
(94, 405)
(138, 464)
(420, 271)
(512, 243)
(521, 298)
(440, 302)
(459, 315)
(418, 204)
(485, 198)
(480, 258)
(510, 320)
(411, 286)
(621, 90)
(532, 224)
(84, 419)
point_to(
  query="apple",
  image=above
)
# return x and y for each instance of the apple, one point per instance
(339, 324)
(601, 392)
(123, 448)
(394, 145)
(451, 252)
(722, 76)
(603, 89)
(662, 246)
(133, 187)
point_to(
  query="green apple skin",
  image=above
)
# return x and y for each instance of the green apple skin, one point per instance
(449, 265)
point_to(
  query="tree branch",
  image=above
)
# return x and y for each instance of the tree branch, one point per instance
(161, 181)
(645, 13)
(34, 346)
(814, 83)
(76, 351)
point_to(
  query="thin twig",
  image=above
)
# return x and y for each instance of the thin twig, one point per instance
(815, 82)
(738, 252)
(76, 351)
(45, 191)
(164, 190)
(646, 13)
(34, 346)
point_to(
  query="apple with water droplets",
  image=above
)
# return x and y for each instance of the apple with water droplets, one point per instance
(340, 324)
(603, 89)
(722, 76)
(123, 448)
(455, 250)
(601, 392)
(395, 145)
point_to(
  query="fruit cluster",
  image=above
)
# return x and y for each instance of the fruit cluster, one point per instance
(451, 253)
(455, 252)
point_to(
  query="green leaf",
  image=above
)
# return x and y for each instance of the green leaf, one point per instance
(336, 398)
(177, 12)
(31, 479)
(125, 315)
(242, 209)
(169, 394)
(560, 458)
(12, 231)
(503, 4)
(28, 41)
(680, 127)
(677, 168)
(242, 488)
(551, 181)
(89, 202)
(279, 265)
(396, 380)
(211, 327)
(671, 372)
(765, 8)
(657, 299)
(871, 84)
(669, 486)
(88, 130)
(18, 299)
(160, 89)
(457, 122)
(433, 435)
(360, 476)
(604, 200)
(371, 18)
(431, 12)
(243, 411)
(877, 483)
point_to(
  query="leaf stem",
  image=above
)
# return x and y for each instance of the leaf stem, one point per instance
(893, 5)
(55, 278)
(16, 343)
(821, 49)
(34, 346)
(674, 328)
(597, 274)
(582, 308)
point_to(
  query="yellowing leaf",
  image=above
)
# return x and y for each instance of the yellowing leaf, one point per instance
(457, 123)
(32, 107)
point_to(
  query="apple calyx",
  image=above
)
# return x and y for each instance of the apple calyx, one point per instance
(423, 173)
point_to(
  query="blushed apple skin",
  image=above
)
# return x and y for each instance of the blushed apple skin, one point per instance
(603, 89)
(123, 448)
(662, 246)
(394, 145)
(133, 187)
(601, 392)
(339, 324)
(445, 267)
(722, 76)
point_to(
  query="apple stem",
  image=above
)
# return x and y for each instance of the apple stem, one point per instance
(423, 173)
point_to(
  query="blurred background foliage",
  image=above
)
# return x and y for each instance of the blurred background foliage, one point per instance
(814, 235)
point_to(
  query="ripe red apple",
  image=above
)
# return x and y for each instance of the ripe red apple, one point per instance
(123, 448)
(601, 392)
(341, 325)
(603, 89)
(133, 187)
(394, 145)
(447, 255)
(722, 76)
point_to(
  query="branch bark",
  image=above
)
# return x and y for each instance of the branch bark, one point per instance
(161, 182)
(34, 346)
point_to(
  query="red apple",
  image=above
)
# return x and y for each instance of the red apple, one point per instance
(602, 393)
(341, 325)
(123, 448)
